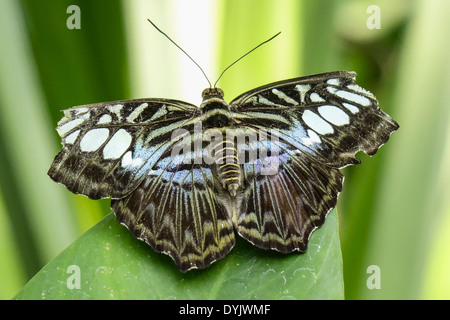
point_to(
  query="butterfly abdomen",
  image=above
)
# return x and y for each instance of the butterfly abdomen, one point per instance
(216, 115)
(228, 168)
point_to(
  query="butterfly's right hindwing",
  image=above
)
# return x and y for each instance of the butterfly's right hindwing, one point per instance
(109, 147)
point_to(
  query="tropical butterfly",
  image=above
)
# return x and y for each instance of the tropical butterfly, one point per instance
(181, 178)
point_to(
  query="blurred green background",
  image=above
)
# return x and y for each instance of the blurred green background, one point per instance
(394, 211)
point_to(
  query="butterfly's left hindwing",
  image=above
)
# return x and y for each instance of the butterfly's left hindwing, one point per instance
(109, 147)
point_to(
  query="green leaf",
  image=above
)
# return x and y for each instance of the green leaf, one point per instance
(114, 265)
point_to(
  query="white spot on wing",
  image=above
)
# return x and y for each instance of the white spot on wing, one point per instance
(159, 113)
(283, 96)
(353, 109)
(316, 123)
(316, 98)
(334, 82)
(81, 110)
(267, 116)
(358, 99)
(312, 138)
(116, 110)
(117, 145)
(70, 139)
(354, 97)
(93, 139)
(334, 115)
(360, 90)
(104, 119)
(127, 160)
(65, 125)
(302, 90)
(267, 102)
(136, 112)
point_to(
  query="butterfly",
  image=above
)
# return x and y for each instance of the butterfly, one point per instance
(188, 203)
(185, 178)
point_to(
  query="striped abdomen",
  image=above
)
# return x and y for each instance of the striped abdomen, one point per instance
(229, 171)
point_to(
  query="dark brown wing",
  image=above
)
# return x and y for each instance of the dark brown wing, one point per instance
(317, 124)
(279, 211)
(176, 211)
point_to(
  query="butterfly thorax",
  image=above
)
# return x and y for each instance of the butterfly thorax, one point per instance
(216, 115)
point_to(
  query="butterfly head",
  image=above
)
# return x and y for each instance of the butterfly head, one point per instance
(209, 93)
(212, 100)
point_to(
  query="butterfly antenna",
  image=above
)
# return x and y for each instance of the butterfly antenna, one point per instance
(181, 50)
(259, 45)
